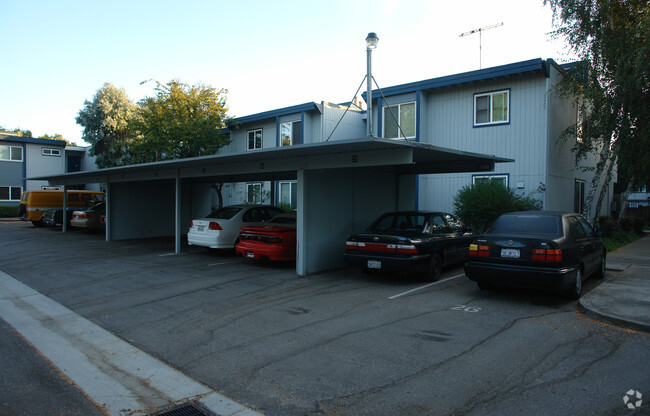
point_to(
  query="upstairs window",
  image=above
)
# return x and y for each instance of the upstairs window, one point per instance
(491, 108)
(46, 151)
(11, 153)
(290, 133)
(399, 121)
(255, 139)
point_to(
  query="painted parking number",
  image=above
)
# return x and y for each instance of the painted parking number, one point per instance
(465, 308)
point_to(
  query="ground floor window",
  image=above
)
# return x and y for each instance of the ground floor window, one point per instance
(10, 193)
(254, 193)
(288, 194)
(484, 178)
(579, 196)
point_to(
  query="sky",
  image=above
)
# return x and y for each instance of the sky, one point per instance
(267, 54)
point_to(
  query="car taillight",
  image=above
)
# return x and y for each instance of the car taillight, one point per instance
(479, 250)
(214, 226)
(353, 245)
(191, 223)
(403, 248)
(541, 254)
(270, 239)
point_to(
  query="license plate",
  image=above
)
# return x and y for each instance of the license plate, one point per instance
(374, 264)
(250, 254)
(511, 253)
(201, 228)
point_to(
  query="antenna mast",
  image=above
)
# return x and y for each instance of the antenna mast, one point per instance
(480, 39)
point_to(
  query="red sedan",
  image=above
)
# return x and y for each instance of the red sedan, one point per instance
(275, 240)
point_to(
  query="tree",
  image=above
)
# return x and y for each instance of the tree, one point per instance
(478, 205)
(105, 121)
(56, 136)
(180, 121)
(612, 37)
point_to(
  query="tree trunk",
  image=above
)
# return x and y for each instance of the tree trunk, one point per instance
(218, 187)
(623, 199)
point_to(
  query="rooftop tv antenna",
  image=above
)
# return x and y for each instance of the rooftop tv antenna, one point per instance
(480, 40)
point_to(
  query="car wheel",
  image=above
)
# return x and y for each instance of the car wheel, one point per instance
(485, 285)
(603, 266)
(576, 290)
(435, 268)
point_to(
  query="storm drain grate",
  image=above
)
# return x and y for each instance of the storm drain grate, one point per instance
(187, 409)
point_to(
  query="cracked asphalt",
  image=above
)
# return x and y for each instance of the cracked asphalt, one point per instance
(341, 342)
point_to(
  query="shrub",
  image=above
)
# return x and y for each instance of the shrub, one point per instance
(608, 225)
(480, 204)
(8, 211)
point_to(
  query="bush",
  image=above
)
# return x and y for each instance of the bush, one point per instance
(8, 212)
(608, 225)
(480, 204)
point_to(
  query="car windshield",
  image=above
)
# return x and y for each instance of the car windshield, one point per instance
(399, 222)
(527, 224)
(225, 213)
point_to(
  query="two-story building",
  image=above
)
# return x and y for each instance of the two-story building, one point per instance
(25, 157)
(511, 111)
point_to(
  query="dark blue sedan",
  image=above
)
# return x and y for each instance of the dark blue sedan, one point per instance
(537, 249)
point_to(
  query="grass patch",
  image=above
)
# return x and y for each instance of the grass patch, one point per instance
(619, 239)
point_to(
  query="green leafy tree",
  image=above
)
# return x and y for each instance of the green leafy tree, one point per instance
(105, 121)
(58, 137)
(180, 121)
(612, 37)
(478, 205)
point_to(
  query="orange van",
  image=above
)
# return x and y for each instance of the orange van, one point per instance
(33, 204)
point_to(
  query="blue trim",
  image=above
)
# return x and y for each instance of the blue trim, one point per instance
(24, 162)
(417, 192)
(277, 131)
(531, 66)
(417, 116)
(273, 114)
(380, 120)
(302, 129)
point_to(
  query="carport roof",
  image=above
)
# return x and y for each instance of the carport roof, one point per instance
(404, 157)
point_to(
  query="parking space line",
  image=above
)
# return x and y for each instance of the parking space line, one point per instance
(183, 252)
(225, 262)
(425, 286)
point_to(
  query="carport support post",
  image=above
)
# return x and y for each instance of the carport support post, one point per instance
(177, 232)
(65, 209)
(108, 210)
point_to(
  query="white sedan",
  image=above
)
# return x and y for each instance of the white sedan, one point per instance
(221, 228)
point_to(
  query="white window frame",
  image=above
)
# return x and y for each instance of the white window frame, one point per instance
(398, 114)
(579, 188)
(503, 176)
(48, 151)
(290, 135)
(491, 121)
(50, 188)
(254, 192)
(292, 185)
(11, 154)
(248, 139)
(9, 188)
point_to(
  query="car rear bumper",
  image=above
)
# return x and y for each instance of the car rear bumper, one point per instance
(208, 241)
(393, 263)
(257, 251)
(521, 276)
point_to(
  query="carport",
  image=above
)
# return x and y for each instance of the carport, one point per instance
(342, 186)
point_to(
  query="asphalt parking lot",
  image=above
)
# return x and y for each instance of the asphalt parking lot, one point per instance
(339, 342)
